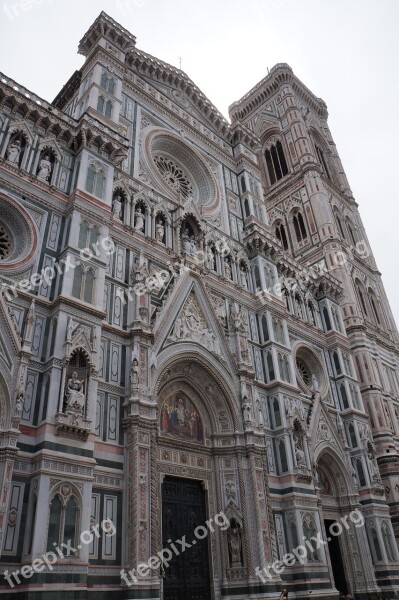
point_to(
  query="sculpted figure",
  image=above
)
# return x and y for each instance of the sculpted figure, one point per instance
(75, 392)
(14, 152)
(138, 219)
(44, 171)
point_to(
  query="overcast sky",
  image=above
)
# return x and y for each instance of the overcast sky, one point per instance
(345, 51)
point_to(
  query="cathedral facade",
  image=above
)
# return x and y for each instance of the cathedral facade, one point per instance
(198, 362)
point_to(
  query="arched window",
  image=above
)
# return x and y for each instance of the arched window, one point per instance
(270, 367)
(247, 211)
(387, 537)
(63, 522)
(336, 319)
(107, 83)
(322, 161)
(108, 109)
(326, 316)
(299, 227)
(376, 544)
(278, 330)
(344, 396)
(88, 235)
(283, 365)
(104, 106)
(352, 436)
(84, 284)
(77, 282)
(360, 472)
(95, 181)
(362, 300)
(100, 104)
(277, 413)
(282, 236)
(337, 363)
(374, 307)
(258, 283)
(89, 286)
(283, 456)
(340, 226)
(350, 228)
(243, 184)
(265, 329)
(275, 161)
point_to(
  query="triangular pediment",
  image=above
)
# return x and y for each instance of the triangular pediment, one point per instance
(188, 317)
(325, 431)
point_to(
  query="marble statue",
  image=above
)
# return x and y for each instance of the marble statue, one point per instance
(45, 166)
(75, 392)
(138, 219)
(14, 152)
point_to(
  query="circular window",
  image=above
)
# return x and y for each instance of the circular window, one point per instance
(304, 371)
(180, 169)
(17, 235)
(174, 176)
(310, 372)
(5, 243)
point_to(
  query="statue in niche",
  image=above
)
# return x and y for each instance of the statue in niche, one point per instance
(234, 543)
(186, 242)
(227, 269)
(134, 373)
(246, 410)
(355, 479)
(260, 412)
(138, 219)
(298, 444)
(180, 418)
(372, 465)
(211, 258)
(117, 208)
(45, 167)
(243, 277)
(315, 384)
(193, 246)
(75, 392)
(160, 231)
(14, 152)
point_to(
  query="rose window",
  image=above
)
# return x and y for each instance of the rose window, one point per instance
(5, 243)
(303, 371)
(174, 176)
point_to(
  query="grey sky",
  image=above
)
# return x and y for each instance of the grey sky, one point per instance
(345, 51)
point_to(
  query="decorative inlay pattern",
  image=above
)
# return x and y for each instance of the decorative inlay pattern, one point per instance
(5, 243)
(174, 176)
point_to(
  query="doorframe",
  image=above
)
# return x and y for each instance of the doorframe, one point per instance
(182, 473)
(335, 513)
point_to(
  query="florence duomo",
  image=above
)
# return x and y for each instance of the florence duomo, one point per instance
(199, 394)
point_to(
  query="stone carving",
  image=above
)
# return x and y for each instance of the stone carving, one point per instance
(75, 394)
(138, 219)
(45, 167)
(160, 231)
(372, 466)
(246, 410)
(227, 268)
(14, 152)
(188, 243)
(243, 277)
(190, 324)
(235, 544)
(231, 491)
(135, 373)
(117, 208)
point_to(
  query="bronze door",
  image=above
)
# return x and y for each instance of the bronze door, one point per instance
(183, 509)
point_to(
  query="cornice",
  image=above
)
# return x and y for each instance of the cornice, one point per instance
(263, 91)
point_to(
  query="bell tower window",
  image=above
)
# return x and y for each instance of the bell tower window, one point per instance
(276, 163)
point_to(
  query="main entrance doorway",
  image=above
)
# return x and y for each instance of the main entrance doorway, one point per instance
(337, 564)
(183, 509)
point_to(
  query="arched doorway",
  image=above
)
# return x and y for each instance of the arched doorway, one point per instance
(332, 487)
(195, 411)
